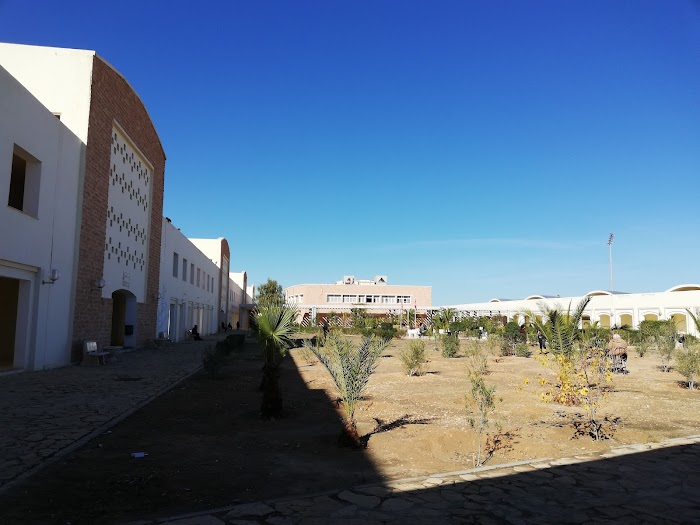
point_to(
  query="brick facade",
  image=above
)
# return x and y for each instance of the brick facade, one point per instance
(112, 99)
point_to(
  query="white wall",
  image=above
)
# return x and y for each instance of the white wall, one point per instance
(30, 247)
(63, 86)
(181, 304)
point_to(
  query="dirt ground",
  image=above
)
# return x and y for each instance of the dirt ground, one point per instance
(208, 448)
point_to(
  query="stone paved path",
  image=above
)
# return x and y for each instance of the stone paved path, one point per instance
(654, 483)
(45, 415)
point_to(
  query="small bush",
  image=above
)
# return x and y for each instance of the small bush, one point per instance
(213, 360)
(413, 358)
(688, 364)
(450, 345)
(521, 350)
(506, 348)
(476, 360)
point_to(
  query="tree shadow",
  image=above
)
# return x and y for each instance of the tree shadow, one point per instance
(383, 426)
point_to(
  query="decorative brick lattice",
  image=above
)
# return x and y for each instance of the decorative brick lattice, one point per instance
(128, 211)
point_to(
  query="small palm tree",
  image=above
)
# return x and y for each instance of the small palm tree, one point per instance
(560, 328)
(275, 329)
(350, 368)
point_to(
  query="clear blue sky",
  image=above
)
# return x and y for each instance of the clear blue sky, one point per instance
(486, 148)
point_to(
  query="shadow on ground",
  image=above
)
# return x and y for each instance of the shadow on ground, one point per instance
(205, 447)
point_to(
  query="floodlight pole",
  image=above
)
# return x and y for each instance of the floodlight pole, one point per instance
(610, 242)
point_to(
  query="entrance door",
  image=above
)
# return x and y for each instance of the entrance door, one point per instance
(123, 319)
(9, 291)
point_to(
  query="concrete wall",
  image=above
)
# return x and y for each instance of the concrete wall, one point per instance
(182, 303)
(218, 251)
(59, 78)
(32, 245)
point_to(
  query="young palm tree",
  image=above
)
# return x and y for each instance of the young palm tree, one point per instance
(559, 327)
(275, 329)
(350, 369)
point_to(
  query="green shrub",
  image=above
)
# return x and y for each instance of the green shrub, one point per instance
(213, 360)
(476, 359)
(688, 364)
(506, 347)
(450, 345)
(521, 350)
(413, 357)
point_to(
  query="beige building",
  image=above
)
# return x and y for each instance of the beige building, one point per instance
(376, 296)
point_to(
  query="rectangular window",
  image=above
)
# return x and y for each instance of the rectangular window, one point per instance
(198, 277)
(192, 273)
(175, 268)
(25, 178)
(333, 298)
(184, 270)
(349, 298)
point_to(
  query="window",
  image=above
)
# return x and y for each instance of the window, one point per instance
(25, 180)
(198, 278)
(184, 270)
(349, 298)
(175, 261)
(333, 298)
(192, 273)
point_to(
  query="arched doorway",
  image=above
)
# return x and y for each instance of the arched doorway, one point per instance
(626, 320)
(604, 321)
(123, 319)
(681, 322)
(651, 317)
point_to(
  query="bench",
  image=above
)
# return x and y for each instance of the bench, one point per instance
(92, 355)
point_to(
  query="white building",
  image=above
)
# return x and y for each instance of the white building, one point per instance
(189, 287)
(218, 251)
(605, 308)
(242, 299)
(40, 171)
(114, 190)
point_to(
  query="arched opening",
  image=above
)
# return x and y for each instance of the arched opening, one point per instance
(123, 319)
(681, 322)
(626, 320)
(651, 317)
(585, 321)
(604, 321)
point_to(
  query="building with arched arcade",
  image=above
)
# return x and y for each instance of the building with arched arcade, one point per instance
(606, 308)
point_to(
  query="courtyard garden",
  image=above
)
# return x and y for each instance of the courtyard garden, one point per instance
(206, 445)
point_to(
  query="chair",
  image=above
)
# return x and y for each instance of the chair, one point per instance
(92, 355)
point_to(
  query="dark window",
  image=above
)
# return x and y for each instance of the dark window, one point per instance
(18, 180)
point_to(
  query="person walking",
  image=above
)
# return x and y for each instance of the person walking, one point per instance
(541, 340)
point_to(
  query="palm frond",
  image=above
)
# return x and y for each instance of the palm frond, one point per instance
(274, 327)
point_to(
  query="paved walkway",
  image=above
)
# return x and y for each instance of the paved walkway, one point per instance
(654, 483)
(45, 415)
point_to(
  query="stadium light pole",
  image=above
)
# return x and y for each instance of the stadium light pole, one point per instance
(610, 242)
